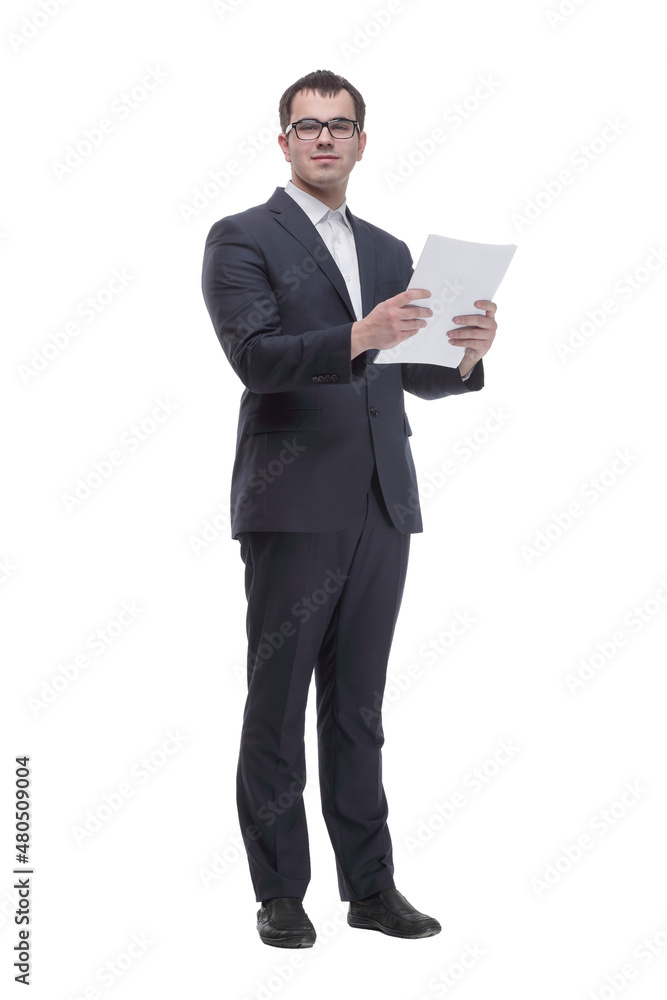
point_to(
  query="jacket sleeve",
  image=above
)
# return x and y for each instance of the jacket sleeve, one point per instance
(436, 381)
(245, 312)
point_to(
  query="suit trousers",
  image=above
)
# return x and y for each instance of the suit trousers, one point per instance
(326, 601)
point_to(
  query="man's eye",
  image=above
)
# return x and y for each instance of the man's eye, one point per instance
(308, 127)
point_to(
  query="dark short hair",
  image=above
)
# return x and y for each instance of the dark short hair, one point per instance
(327, 84)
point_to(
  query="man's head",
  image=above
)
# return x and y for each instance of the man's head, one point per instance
(321, 166)
(327, 84)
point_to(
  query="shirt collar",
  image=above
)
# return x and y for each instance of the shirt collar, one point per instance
(315, 209)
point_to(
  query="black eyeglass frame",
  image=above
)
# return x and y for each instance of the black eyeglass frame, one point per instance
(314, 121)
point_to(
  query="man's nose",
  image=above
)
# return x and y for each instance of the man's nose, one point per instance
(325, 136)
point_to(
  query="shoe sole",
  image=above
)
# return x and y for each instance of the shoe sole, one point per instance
(288, 942)
(374, 925)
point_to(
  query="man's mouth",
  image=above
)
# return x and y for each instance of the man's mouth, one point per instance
(325, 156)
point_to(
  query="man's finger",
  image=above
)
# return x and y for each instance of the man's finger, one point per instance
(412, 312)
(468, 333)
(475, 320)
(472, 345)
(412, 293)
(486, 304)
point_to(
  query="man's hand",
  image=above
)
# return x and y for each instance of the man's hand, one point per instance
(391, 322)
(476, 335)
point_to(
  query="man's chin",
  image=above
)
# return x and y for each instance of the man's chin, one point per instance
(327, 171)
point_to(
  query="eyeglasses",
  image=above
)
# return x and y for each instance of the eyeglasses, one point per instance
(309, 128)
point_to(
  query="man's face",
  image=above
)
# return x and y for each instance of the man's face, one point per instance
(322, 166)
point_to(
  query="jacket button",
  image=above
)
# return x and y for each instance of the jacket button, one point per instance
(334, 377)
(374, 412)
(314, 378)
(327, 377)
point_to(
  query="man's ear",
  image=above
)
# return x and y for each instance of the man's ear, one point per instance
(362, 145)
(283, 142)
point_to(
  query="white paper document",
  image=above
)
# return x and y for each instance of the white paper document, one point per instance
(456, 273)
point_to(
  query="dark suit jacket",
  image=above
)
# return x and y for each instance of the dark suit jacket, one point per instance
(312, 422)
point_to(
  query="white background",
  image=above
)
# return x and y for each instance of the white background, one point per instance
(542, 596)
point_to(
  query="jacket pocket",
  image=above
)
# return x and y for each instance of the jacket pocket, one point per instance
(294, 419)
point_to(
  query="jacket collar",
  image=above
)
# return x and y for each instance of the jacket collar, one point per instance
(292, 218)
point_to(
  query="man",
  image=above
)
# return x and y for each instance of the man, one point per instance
(302, 294)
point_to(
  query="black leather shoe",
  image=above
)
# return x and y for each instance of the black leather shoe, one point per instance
(282, 922)
(391, 913)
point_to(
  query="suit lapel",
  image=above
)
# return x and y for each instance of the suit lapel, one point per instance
(291, 217)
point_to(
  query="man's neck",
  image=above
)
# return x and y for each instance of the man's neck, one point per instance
(333, 198)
